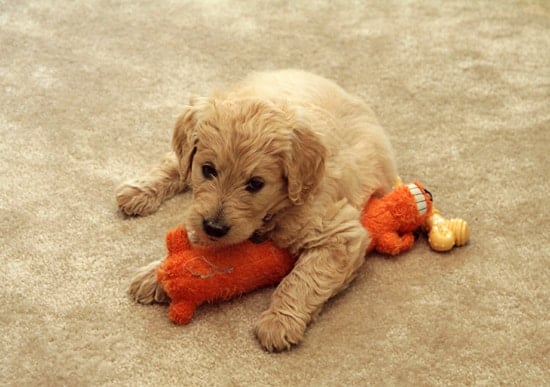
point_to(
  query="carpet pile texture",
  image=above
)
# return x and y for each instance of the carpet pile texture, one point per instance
(89, 92)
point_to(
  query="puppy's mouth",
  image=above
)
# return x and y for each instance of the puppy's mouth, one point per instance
(259, 236)
(200, 238)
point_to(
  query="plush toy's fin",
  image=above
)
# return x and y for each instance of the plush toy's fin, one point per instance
(181, 312)
(177, 240)
(392, 243)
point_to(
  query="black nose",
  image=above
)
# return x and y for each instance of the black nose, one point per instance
(215, 228)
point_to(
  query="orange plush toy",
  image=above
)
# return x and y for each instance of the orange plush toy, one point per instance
(392, 219)
(193, 275)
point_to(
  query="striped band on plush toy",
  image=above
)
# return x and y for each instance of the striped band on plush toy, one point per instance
(419, 198)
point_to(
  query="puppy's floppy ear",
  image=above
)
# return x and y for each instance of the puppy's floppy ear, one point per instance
(306, 165)
(184, 138)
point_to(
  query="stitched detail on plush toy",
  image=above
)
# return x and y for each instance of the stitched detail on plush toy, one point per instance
(214, 269)
(419, 198)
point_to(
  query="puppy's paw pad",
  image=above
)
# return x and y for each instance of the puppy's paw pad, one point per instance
(278, 332)
(134, 198)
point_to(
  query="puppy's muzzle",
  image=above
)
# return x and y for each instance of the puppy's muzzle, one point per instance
(215, 227)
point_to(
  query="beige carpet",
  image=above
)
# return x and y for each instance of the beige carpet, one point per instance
(89, 93)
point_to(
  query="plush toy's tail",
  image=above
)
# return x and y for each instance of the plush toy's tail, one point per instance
(181, 312)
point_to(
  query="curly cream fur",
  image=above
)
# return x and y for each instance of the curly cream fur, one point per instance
(321, 154)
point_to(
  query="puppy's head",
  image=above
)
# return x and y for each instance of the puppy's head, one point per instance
(247, 160)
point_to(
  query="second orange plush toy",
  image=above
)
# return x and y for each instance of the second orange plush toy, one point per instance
(392, 219)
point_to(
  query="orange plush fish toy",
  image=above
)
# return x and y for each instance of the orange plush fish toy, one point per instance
(193, 275)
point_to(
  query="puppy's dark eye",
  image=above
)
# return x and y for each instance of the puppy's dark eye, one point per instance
(254, 184)
(209, 171)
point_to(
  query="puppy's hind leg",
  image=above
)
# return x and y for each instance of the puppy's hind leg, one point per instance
(144, 196)
(145, 288)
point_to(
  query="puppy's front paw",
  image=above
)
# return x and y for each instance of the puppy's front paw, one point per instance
(278, 332)
(144, 287)
(136, 198)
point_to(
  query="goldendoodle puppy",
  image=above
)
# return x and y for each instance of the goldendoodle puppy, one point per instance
(284, 155)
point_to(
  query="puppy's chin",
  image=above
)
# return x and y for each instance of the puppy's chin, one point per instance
(258, 237)
(193, 237)
(199, 238)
